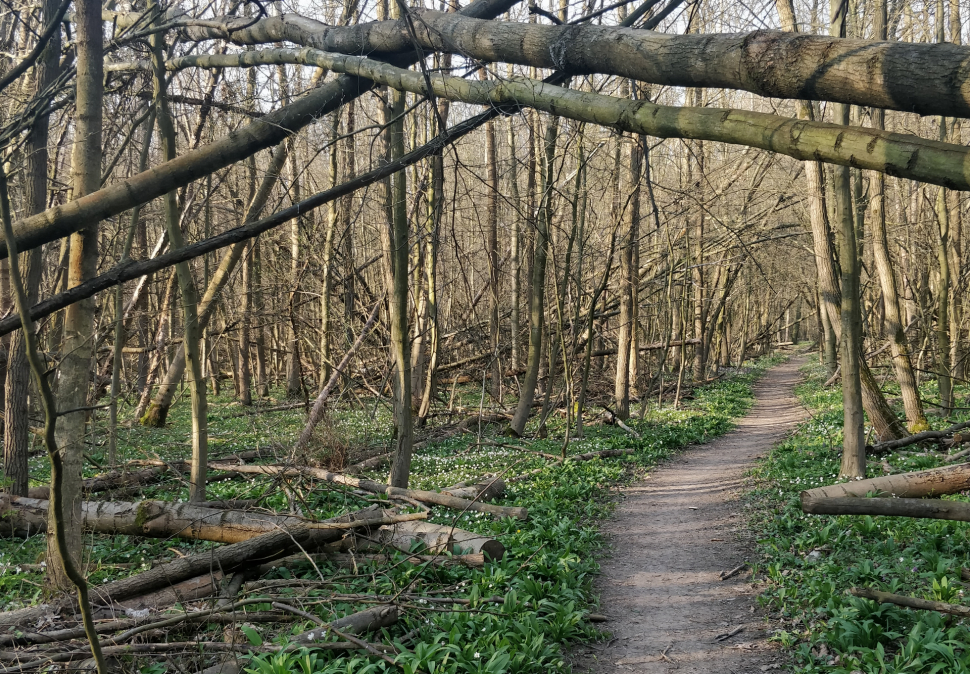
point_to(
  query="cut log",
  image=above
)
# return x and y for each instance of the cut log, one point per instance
(193, 589)
(911, 602)
(226, 558)
(484, 490)
(369, 620)
(932, 482)
(433, 497)
(373, 462)
(438, 538)
(891, 507)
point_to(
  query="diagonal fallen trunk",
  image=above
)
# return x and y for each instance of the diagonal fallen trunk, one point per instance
(902, 155)
(932, 482)
(270, 130)
(891, 507)
(436, 498)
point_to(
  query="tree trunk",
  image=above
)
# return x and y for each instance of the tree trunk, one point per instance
(537, 303)
(491, 218)
(935, 509)
(854, 442)
(16, 438)
(190, 298)
(627, 281)
(246, 251)
(395, 238)
(78, 344)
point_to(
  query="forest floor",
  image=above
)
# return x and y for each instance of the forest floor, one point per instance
(674, 535)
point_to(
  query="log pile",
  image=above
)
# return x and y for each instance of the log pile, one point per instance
(254, 543)
(912, 494)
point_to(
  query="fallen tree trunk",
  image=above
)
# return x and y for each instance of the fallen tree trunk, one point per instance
(932, 482)
(901, 155)
(438, 538)
(890, 75)
(125, 479)
(155, 519)
(361, 622)
(484, 490)
(116, 479)
(884, 447)
(890, 507)
(911, 602)
(433, 497)
(348, 560)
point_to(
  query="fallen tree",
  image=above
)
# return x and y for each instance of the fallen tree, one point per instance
(932, 482)
(890, 507)
(885, 447)
(888, 75)
(911, 602)
(438, 538)
(897, 154)
(162, 519)
(433, 497)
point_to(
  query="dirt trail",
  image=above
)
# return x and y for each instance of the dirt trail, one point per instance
(672, 537)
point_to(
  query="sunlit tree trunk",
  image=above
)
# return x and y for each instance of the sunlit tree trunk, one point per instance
(78, 342)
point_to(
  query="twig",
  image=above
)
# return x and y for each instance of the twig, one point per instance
(733, 572)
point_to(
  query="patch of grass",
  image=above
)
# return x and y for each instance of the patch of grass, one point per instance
(810, 561)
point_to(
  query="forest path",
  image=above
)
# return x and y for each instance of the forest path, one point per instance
(671, 538)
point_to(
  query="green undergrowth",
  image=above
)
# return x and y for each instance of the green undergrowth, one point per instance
(809, 562)
(542, 585)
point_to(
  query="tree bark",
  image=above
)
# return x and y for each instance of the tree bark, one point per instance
(887, 278)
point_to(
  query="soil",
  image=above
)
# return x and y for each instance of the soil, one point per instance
(672, 537)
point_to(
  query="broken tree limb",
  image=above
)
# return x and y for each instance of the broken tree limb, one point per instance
(911, 602)
(438, 538)
(890, 507)
(932, 482)
(350, 560)
(434, 497)
(883, 447)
